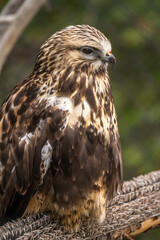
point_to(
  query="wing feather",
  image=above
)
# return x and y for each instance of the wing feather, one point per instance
(21, 146)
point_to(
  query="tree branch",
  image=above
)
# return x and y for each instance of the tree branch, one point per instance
(132, 212)
(13, 19)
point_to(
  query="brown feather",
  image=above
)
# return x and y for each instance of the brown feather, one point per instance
(59, 142)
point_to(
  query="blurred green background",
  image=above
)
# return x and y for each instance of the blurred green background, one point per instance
(133, 28)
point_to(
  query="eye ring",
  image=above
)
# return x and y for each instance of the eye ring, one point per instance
(87, 50)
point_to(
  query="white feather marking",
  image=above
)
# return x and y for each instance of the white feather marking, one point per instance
(83, 109)
(41, 124)
(27, 137)
(87, 110)
(64, 125)
(46, 157)
(62, 103)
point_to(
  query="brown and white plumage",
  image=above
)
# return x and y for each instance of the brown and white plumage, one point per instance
(59, 142)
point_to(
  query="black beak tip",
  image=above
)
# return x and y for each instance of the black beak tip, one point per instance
(113, 61)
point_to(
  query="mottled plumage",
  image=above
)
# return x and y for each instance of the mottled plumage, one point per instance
(59, 142)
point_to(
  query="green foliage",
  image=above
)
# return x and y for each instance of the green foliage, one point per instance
(133, 28)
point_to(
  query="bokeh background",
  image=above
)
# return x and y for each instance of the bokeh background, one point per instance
(133, 28)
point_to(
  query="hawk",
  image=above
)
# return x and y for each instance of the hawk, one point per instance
(59, 142)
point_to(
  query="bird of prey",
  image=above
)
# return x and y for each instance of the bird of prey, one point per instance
(59, 142)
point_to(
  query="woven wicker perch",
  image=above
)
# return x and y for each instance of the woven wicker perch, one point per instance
(132, 212)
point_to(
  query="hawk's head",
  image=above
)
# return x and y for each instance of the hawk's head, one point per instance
(75, 46)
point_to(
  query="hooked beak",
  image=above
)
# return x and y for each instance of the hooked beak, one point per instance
(110, 58)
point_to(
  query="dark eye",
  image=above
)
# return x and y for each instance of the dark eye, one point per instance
(87, 50)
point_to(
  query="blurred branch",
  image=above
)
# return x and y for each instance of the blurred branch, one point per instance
(7, 19)
(15, 16)
(132, 212)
